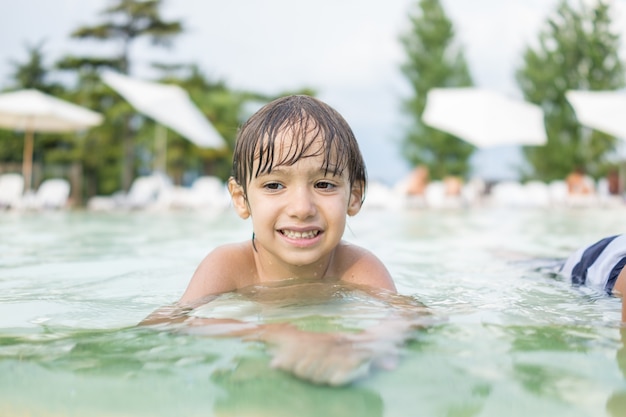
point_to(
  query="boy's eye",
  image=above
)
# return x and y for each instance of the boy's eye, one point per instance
(325, 185)
(273, 186)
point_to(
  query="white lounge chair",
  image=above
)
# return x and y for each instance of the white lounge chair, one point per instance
(210, 192)
(146, 193)
(437, 196)
(143, 193)
(206, 193)
(11, 190)
(52, 194)
(507, 193)
(537, 194)
(381, 196)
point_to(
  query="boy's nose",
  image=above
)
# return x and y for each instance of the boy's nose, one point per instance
(301, 203)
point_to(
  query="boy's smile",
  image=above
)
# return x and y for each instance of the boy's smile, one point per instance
(301, 238)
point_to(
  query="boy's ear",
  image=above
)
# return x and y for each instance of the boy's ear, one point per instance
(239, 198)
(356, 196)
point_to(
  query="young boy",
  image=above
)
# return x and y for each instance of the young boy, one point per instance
(298, 173)
(601, 266)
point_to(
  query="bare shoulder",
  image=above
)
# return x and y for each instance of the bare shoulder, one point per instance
(358, 265)
(224, 269)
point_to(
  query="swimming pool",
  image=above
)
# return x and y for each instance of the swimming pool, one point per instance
(516, 341)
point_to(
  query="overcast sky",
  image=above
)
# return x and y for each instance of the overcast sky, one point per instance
(346, 49)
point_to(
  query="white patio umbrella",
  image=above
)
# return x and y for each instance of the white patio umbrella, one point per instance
(169, 105)
(604, 111)
(32, 111)
(600, 110)
(484, 118)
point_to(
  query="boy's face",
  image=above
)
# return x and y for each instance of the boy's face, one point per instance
(298, 211)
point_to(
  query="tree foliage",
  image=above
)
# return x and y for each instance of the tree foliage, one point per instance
(433, 59)
(128, 20)
(33, 72)
(577, 50)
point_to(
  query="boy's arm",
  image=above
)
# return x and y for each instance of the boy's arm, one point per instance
(174, 313)
(361, 267)
(213, 276)
(332, 358)
(335, 358)
(341, 358)
(217, 273)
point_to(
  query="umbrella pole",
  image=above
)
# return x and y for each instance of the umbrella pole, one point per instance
(27, 161)
(161, 149)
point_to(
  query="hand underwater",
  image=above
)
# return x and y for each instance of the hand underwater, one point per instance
(329, 358)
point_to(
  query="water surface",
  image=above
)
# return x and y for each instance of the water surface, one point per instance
(516, 340)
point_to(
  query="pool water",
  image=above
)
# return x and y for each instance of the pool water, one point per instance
(514, 339)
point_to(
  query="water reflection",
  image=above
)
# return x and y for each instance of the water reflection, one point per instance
(252, 390)
(145, 373)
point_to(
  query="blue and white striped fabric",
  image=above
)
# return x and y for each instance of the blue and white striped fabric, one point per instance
(597, 265)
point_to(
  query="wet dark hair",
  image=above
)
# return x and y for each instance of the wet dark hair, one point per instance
(307, 120)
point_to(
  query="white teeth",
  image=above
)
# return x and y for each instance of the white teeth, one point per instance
(300, 235)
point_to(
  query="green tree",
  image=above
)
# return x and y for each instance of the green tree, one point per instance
(433, 59)
(577, 50)
(125, 22)
(129, 20)
(33, 73)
